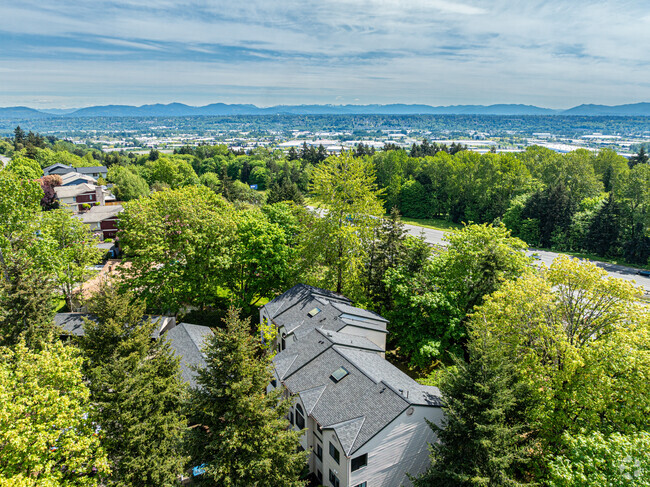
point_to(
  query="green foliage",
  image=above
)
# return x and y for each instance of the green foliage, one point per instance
(345, 190)
(127, 184)
(581, 340)
(71, 250)
(173, 171)
(135, 386)
(179, 244)
(25, 168)
(595, 459)
(483, 438)
(45, 436)
(240, 431)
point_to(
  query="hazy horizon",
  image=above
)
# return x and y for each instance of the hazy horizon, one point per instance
(553, 54)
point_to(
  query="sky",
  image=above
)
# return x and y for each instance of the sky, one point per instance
(556, 54)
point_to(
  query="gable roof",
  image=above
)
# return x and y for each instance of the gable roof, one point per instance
(298, 293)
(72, 323)
(187, 341)
(100, 213)
(70, 177)
(294, 312)
(74, 190)
(363, 402)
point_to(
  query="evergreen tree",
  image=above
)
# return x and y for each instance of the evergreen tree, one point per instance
(26, 303)
(482, 439)
(321, 154)
(240, 432)
(19, 138)
(640, 158)
(292, 155)
(137, 392)
(604, 234)
(284, 191)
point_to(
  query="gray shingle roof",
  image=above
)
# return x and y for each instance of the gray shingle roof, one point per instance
(298, 293)
(363, 402)
(72, 323)
(187, 341)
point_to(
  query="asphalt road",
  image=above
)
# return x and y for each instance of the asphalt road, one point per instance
(619, 271)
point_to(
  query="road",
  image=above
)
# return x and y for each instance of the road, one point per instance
(614, 270)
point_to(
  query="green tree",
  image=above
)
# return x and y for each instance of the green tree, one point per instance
(128, 185)
(46, 437)
(240, 432)
(179, 245)
(345, 191)
(595, 459)
(25, 168)
(640, 158)
(136, 389)
(483, 439)
(26, 303)
(72, 250)
(581, 339)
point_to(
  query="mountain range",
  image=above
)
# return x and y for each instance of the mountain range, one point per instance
(222, 109)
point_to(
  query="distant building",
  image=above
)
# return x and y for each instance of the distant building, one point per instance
(102, 220)
(61, 169)
(81, 197)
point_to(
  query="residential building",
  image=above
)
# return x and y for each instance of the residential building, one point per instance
(74, 178)
(61, 169)
(102, 220)
(187, 341)
(304, 308)
(71, 324)
(81, 197)
(365, 421)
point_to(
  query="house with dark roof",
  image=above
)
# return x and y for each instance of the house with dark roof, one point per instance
(304, 308)
(187, 341)
(74, 178)
(71, 324)
(61, 169)
(364, 420)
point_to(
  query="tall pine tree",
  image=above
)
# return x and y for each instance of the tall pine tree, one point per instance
(137, 392)
(482, 442)
(239, 431)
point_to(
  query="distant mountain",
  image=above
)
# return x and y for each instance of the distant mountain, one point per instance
(222, 109)
(57, 111)
(22, 113)
(631, 110)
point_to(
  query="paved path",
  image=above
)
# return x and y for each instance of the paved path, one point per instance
(620, 271)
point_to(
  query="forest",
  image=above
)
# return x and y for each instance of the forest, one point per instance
(544, 371)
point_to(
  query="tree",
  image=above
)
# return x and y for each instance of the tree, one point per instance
(595, 459)
(25, 168)
(483, 438)
(240, 433)
(604, 234)
(345, 190)
(136, 389)
(46, 437)
(72, 250)
(178, 242)
(581, 339)
(263, 262)
(128, 185)
(19, 138)
(26, 303)
(48, 183)
(640, 158)
(284, 191)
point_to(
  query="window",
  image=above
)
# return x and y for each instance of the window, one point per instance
(300, 417)
(338, 374)
(334, 453)
(274, 383)
(314, 312)
(359, 462)
(319, 452)
(334, 480)
(291, 417)
(362, 484)
(319, 476)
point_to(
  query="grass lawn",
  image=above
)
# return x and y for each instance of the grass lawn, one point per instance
(588, 256)
(433, 223)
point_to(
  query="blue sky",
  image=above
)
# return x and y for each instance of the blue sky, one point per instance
(440, 52)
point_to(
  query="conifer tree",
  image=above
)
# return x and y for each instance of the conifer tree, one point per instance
(240, 433)
(482, 439)
(137, 392)
(26, 304)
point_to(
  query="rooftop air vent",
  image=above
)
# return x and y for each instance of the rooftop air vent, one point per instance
(338, 374)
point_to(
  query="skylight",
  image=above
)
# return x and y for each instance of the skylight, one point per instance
(314, 312)
(339, 373)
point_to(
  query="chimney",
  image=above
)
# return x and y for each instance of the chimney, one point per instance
(100, 197)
